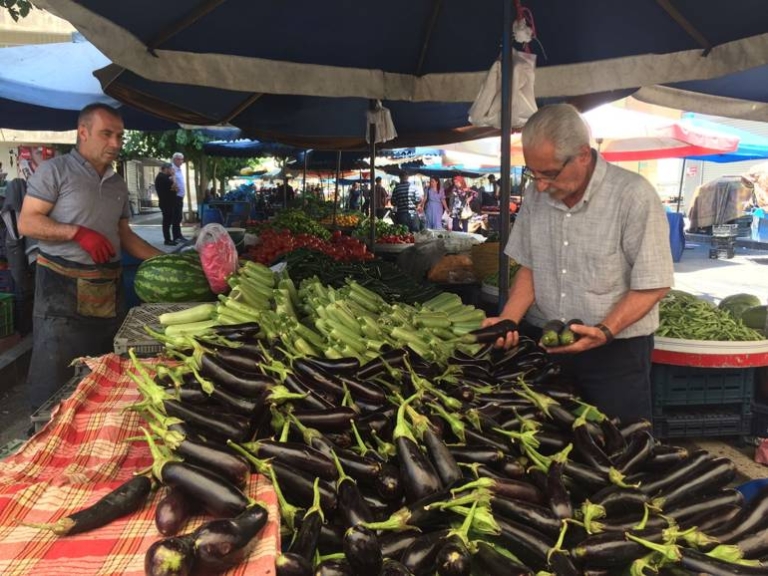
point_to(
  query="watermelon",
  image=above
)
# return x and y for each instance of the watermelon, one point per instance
(736, 304)
(173, 278)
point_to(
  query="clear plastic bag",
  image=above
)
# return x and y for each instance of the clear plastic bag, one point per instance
(218, 256)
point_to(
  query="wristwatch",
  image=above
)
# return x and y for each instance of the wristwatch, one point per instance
(606, 332)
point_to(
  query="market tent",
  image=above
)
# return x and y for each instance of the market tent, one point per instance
(584, 47)
(751, 146)
(43, 87)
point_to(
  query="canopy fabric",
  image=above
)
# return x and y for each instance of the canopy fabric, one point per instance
(751, 146)
(583, 47)
(44, 86)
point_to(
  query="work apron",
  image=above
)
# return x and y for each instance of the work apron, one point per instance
(77, 312)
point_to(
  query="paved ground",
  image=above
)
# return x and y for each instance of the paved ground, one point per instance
(696, 273)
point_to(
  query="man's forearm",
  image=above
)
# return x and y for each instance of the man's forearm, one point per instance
(137, 246)
(632, 307)
(43, 227)
(521, 295)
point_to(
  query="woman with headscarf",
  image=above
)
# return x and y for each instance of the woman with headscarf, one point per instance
(433, 204)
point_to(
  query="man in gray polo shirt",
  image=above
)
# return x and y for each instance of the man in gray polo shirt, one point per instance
(77, 207)
(593, 243)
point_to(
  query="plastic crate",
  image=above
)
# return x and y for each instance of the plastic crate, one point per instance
(132, 333)
(42, 415)
(725, 252)
(760, 420)
(691, 386)
(6, 315)
(728, 230)
(701, 424)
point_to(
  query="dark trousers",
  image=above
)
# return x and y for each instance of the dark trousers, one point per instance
(411, 221)
(61, 334)
(460, 225)
(178, 211)
(168, 208)
(616, 377)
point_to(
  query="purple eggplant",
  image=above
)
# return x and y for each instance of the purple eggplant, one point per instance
(421, 556)
(221, 544)
(170, 557)
(453, 559)
(290, 564)
(172, 512)
(296, 455)
(363, 551)
(392, 567)
(334, 568)
(490, 562)
(243, 383)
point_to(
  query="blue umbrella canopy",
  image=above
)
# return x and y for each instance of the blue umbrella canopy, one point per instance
(751, 146)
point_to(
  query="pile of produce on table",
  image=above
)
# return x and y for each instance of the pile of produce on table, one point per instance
(295, 221)
(395, 458)
(683, 315)
(342, 220)
(273, 244)
(493, 279)
(385, 233)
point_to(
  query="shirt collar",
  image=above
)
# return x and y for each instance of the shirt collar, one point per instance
(108, 173)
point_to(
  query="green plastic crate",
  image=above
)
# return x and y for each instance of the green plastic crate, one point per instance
(692, 386)
(6, 315)
(701, 424)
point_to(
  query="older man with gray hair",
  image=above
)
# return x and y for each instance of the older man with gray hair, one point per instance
(181, 191)
(592, 240)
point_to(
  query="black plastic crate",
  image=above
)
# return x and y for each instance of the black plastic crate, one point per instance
(725, 253)
(702, 424)
(692, 386)
(760, 420)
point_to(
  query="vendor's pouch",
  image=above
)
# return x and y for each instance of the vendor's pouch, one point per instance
(97, 297)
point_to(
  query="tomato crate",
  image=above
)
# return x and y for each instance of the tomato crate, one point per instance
(693, 386)
(760, 420)
(132, 333)
(703, 424)
(6, 314)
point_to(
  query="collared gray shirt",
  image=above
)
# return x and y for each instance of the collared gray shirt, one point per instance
(80, 196)
(586, 258)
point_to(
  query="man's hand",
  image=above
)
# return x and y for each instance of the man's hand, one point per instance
(96, 244)
(511, 339)
(589, 337)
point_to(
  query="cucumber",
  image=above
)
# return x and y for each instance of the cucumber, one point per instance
(568, 336)
(550, 336)
(194, 314)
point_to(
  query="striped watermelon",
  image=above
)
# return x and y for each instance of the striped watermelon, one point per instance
(173, 278)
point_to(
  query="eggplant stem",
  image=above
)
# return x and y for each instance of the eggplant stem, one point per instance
(560, 539)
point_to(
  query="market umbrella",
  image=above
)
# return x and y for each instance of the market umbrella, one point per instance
(751, 146)
(419, 51)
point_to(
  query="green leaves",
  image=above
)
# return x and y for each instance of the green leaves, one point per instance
(17, 8)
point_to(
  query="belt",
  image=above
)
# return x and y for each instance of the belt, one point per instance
(90, 272)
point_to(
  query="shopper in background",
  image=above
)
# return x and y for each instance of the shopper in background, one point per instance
(433, 204)
(353, 198)
(592, 240)
(166, 197)
(461, 196)
(404, 200)
(181, 191)
(77, 207)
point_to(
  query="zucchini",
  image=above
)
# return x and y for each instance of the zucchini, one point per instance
(550, 335)
(195, 314)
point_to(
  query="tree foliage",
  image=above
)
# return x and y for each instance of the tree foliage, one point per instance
(16, 8)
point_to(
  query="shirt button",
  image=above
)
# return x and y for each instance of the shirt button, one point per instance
(563, 270)
(562, 295)
(565, 243)
(567, 215)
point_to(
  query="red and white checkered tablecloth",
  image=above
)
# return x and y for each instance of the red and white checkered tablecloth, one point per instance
(80, 456)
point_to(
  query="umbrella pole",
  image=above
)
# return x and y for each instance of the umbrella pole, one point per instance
(285, 185)
(372, 219)
(680, 191)
(336, 190)
(506, 153)
(304, 178)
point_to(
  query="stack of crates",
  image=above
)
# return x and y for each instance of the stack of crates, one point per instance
(21, 302)
(723, 243)
(693, 402)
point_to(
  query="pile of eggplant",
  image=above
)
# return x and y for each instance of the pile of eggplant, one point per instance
(487, 464)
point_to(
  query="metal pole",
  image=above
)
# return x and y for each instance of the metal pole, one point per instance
(336, 191)
(371, 210)
(680, 190)
(506, 153)
(304, 177)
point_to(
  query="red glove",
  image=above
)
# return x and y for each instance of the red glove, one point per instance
(95, 244)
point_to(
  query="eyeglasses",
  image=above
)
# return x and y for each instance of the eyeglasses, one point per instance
(548, 176)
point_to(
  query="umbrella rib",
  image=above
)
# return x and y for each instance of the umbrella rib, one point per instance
(683, 22)
(193, 16)
(240, 107)
(436, 5)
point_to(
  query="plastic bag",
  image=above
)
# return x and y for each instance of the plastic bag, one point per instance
(218, 256)
(486, 109)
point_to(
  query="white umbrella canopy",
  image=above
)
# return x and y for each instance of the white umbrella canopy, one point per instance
(626, 135)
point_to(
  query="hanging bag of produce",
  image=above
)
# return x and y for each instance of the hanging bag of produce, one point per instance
(218, 256)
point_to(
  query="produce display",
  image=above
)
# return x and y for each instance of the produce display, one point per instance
(274, 244)
(683, 315)
(384, 278)
(173, 278)
(342, 220)
(400, 442)
(385, 233)
(493, 279)
(295, 221)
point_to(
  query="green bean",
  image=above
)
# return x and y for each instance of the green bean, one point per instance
(696, 319)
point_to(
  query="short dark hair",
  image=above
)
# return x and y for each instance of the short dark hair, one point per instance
(378, 179)
(402, 174)
(491, 177)
(166, 165)
(86, 114)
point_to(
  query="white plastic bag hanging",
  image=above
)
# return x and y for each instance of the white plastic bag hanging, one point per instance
(486, 109)
(382, 119)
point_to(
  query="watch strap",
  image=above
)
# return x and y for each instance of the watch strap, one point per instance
(606, 332)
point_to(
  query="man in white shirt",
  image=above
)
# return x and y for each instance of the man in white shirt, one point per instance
(181, 191)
